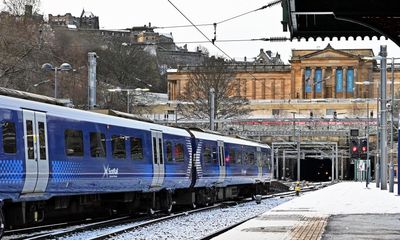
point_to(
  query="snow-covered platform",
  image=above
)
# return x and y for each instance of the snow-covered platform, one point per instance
(346, 210)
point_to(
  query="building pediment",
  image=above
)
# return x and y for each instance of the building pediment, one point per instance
(330, 54)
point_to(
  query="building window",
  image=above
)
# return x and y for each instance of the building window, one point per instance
(350, 80)
(318, 80)
(275, 112)
(9, 137)
(307, 80)
(73, 142)
(339, 80)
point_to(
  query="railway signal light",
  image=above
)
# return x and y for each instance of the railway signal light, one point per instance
(354, 148)
(363, 148)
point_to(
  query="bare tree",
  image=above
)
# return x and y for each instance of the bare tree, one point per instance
(125, 66)
(217, 74)
(21, 52)
(17, 7)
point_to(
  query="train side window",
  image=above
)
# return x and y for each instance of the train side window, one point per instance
(214, 155)
(179, 152)
(169, 151)
(136, 148)
(207, 155)
(29, 139)
(9, 137)
(97, 145)
(42, 141)
(245, 158)
(118, 146)
(239, 157)
(73, 142)
(232, 156)
(251, 158)
(259, 159)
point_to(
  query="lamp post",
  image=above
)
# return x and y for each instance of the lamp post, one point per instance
(128, 94)
(63, 67)
(212, 108)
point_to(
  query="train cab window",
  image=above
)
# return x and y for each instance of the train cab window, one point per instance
(207, 155)
(179, 152)
(73, 142)
(136, 148)
(97, 145)
(9, 137)
(118, 146)
(169, 151)
(214, 155)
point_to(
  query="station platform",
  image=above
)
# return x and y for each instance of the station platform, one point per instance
(345, 210)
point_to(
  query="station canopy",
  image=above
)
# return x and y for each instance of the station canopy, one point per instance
(342, 18)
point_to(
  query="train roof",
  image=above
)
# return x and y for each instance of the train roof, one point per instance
(227, 139)
(81, 115)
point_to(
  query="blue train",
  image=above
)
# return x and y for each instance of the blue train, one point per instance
(57, 161)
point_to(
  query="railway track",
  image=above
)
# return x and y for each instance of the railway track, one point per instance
(113, 227)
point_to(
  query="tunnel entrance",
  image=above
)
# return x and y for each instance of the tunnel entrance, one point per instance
(316, 170)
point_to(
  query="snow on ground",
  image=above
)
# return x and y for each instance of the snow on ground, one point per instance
(347, 198)
(203, 223)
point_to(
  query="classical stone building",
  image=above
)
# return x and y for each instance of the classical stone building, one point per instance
(317, 82)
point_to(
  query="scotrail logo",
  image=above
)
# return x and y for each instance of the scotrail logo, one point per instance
(110, 172)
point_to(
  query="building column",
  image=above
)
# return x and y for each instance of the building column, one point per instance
(293, 84)
(273, 90)
(344, 82)
(302, 84)
(323, 82)
(254, 87)
(355, 79)
(334, 82)
(311, 81)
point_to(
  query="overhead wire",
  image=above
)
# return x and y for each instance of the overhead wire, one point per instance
(211, 41)
(225, 20)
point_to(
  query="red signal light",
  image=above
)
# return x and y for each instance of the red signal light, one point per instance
(354, 149)
(364, 148)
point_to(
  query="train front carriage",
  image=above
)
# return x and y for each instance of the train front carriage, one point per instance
(12, 166)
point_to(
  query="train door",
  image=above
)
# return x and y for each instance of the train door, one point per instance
(158, 159)
(221, 161)
(36, 152)
(259, 161)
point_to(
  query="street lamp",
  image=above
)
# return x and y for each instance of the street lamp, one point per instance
(128, 94)
(63, 67)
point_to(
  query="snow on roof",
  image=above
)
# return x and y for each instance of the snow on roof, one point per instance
(172, 70)
(168, 35)
(71, 26)
(88, 14)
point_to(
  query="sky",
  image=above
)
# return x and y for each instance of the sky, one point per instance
(122, 14)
